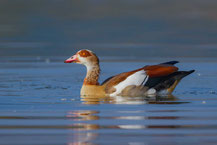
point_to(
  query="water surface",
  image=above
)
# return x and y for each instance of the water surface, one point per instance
(40, 104)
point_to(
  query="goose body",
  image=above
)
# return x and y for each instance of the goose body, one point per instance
(148, 80)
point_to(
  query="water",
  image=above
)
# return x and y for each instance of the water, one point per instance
(40, 104)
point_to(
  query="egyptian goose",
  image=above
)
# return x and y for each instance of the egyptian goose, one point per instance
(148, 80)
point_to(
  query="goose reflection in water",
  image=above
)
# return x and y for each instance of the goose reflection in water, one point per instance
(83, 115)
(167, 99)
(84, 131)
(86, 120)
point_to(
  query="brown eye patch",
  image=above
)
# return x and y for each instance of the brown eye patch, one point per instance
(84, 53)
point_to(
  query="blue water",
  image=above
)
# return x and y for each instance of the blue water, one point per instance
(40, 104)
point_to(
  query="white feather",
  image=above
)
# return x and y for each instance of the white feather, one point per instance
(134, 79)
(151, 91)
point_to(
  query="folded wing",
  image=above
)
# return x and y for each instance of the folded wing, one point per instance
(148, 76)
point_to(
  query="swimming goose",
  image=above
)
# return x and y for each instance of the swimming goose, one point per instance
(148, 80)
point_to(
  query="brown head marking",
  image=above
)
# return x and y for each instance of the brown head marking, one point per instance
(84, 53)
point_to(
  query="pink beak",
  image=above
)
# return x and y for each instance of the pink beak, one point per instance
(71, 59)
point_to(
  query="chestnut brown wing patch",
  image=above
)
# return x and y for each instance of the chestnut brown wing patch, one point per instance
(160, 70)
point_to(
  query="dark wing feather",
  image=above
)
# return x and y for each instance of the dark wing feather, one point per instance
(160, 83)
(170, 62)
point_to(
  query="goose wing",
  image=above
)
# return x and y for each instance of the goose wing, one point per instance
(140, 77)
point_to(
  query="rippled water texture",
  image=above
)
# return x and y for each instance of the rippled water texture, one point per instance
(40, 104)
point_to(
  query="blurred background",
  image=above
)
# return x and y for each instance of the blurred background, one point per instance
(142, 28)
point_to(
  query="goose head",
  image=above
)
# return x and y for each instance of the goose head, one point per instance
(85, 57)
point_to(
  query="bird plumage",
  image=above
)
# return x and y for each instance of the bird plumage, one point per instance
(148, 80)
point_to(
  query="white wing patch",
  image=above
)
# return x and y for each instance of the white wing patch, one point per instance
(137, 79)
